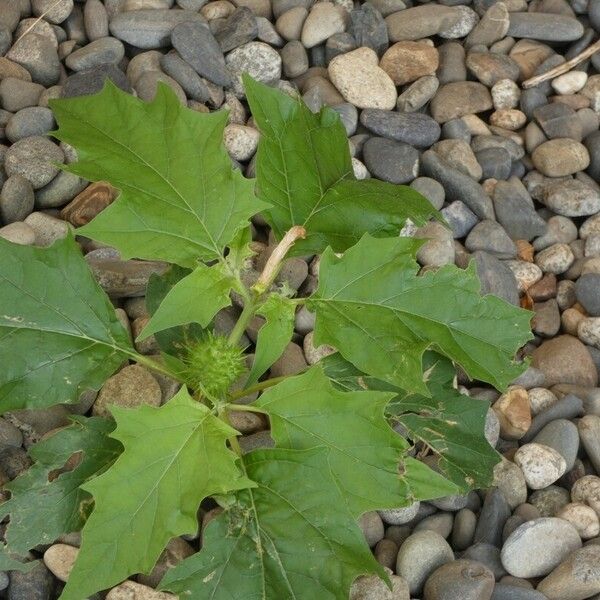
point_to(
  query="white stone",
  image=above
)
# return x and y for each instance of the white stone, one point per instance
(60, 558)
(361, 81)
(324, 20)
(240, 141)
(129, 590)
(555, 259)
(540, 399)
(400, 516)
(360, 171)
(588, 331)
(541, 465)
(587, 490)
(569, 83)
(582, 517)
(525, 273)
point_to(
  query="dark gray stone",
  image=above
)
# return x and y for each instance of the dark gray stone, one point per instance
(515, 211)
(63, 188)
(99, 52)
(456, 129)
(368, 28)
(591, 142)
(558, 120)
(339, 43)
(5, 40)
(37, 584)
(198, 47)
(503, 591)
(191, 83)
(34, 120)
(587, 290)
(494, 513)
(390, 160)
(416, 129)
(562, 435)
(294, 59)
(458, 186)
(151, 28)
(460, 218)
(531, 99)
(91, 81)
(464, 579)
(495, 163)
(239, 28)
(490, 237)
(431, 189)
(568, 407)
(13, 461)
(486, 554)
(483, 142)
(496, 278)
(544, 26)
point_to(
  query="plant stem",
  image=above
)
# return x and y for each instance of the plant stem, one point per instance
(257, 387)
(154, 365)
(265, 280)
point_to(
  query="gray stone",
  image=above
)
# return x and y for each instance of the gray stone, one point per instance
(488, 555)
(537, 547)
(16, 199)
(494, 513)
(91, 81)
(391, 161)
(258, 59)
(463, 530)
(496, 278)
(417, 94)
(181, 71)
(431, 189)
(589, 432)
(421, 554)
(99, 52)
(544, 26)
(515, 210)
(491, 67)
(37, 584)
(294, 59)
(151, 28)
(458, 186)
(63, 188)
(587, 291)
(562, 436)
(558, 120)
(147, 85)
(504, 591)
(495, 163)
(483, 142)
(458, 99)
(452, 66)
(400, 516)
(368, 28)
(568, 407)
(9, 14)
(372, 527)
(239, 28)
(592, 143)
(416, 129)
(571, 198)
(9, 436)
(489, 236)
(33, 158)
(440, 522)
(460, 218)
(34, 120)
(95, 19)
(464, 579)
(52, 10)
(37, 54)
(198, 47)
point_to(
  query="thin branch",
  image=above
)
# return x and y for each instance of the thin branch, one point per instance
(564, 67)
(37, 20)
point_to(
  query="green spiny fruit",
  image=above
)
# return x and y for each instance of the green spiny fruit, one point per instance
(213, 364)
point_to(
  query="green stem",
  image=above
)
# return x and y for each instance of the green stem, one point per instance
(154, 365)
(257, 387)
(239, 329)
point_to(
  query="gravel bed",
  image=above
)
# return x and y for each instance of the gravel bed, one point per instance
(431, 95)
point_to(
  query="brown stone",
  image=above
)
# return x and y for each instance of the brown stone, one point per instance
(460, 98)
(407, 61)
(177, 549)
(529, 55)
(525, 250)
(513, 412)
(87, 204)
(565, 359)
(8, 68)
(544, 289)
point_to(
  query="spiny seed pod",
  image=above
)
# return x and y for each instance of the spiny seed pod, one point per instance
(213, 364)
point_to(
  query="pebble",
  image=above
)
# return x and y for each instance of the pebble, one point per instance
(510, 481)
(538, 546)
(494, 513)
(541, 465)
(562, 436)
(555, 259)
(576, 578)
(421, 554)
(560, 157)
(372, 527)
(129, 590)
(460, 98)
(16, 199)
(400, 516)
(324, 20)
(391, 161)
(59, 559)
(373, 588)
(406, 62)
(582, 517)
(589, 432)
(465, 579)
(32, 158)
(27, 122)
(132, 386)
(544, 26)
(18, 233)
(361, 81)
(258, 59)
(37, 584)
(495, 277)
(99, 52)
(415, 129)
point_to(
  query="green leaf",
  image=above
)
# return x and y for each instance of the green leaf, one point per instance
(46, 500)
(452, 425)
(194, 299)
(181, 200)
(8, 563)
(373, 307)
(365, 452)
(174, 457)
(174, 339)
(290, 537)
(59, 334)
(274, 335)
(239, 250)
(304, 171)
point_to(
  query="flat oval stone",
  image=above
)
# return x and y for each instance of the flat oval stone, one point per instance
(150, 28)
(544, 26)
(417, 129)
(571, 198)
(460, 98)
(34, 120)
(560, 157)
(98, 52)
(464, 579)
(33, 158)
(391, 161)
(538, 546)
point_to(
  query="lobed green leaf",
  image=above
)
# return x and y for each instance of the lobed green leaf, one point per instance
(382, 316)
(174, 457)
(304, 171)
(59, 334)
(289, 537)
(181, 199)
(47, 500)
